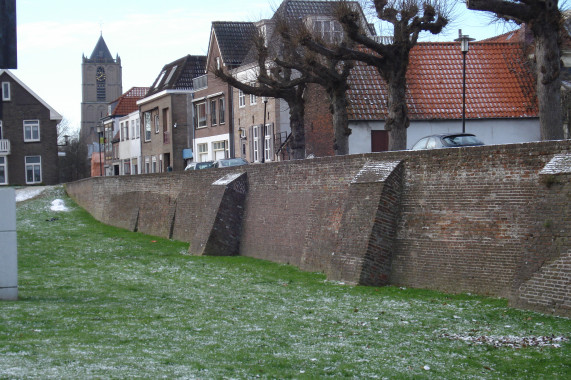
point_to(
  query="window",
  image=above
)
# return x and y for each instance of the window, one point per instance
(157, 124)
(241, 98)
(132, 129)
(100, 78)
(31, 130)
(127, 167)
(125, 131)
(138, 128)
(213, 112)
(0, 129)
(201, 115)
(330, 30)
(33, 169)
(3, 171)
(219, 149)
(6, 91)
(202, 152)
(218, 63)
(154, 164)
(147, 126)
(253, 98)
(135, 166)
(147, 165)
(221, 110)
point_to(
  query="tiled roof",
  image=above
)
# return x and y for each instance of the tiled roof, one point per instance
(127, 102)
(498, 84)
(294, 9)
(178, 75)
(234, 40)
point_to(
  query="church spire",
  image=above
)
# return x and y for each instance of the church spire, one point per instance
(101, 52)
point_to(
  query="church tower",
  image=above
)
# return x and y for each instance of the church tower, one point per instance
(101, 84)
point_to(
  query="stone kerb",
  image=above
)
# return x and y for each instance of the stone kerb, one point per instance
(220, 225)
(366, 234)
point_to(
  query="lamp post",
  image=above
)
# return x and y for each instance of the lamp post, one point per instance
(263, 137)
(99, 129)
(464, 46)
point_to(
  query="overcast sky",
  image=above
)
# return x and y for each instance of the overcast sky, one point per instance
(53, 35)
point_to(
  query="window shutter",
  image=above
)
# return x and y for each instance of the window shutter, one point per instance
(251, 142)
(270, 132)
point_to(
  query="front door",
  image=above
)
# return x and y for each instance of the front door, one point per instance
(379, 141)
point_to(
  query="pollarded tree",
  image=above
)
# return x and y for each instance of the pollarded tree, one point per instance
(408, 19)
(327, 70)
(277, 82)
(544, 19)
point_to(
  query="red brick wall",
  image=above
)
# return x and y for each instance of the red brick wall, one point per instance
(481, 219)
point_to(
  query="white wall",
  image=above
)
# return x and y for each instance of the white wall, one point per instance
(490, 131)
(208, 140)
(130, 148)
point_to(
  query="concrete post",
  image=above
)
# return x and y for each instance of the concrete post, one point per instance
(8, 246)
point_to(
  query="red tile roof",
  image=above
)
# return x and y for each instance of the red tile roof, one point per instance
(498, 84)
(127, 102)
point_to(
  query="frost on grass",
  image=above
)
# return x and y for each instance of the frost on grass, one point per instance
(510, 340)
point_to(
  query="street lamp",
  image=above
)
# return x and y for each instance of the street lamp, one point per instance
(263, 137)
(99, 129)
(464, 41)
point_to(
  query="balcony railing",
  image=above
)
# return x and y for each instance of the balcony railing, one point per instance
(4, 147)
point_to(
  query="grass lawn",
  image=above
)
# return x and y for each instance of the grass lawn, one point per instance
(100, 302)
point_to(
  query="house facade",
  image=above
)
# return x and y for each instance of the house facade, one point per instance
(28, 135)
(166, 124)
(501, 104)
(262, 124)
(122, 145)
(214, 101)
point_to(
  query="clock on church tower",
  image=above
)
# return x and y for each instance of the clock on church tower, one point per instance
(101, 84)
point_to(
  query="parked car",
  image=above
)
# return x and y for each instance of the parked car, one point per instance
(199, 165)
(227, 162)
(450, 140)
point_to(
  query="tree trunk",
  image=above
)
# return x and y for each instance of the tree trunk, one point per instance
(397, 120)
(548, 80)
(296, 116)
(341, 128)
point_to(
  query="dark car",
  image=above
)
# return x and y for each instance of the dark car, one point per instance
(450, 140)
(227, 162)
(199, 165)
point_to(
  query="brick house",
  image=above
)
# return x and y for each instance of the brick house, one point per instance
(28, 135)
(166, 116)
(250, 112)
(215, 124)
(501, 105)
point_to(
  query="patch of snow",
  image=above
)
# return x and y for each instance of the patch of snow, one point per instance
(26, 193)
(58, 205)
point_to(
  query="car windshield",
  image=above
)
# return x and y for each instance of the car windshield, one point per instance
(461, 140)
(231, 162)
(203, 165)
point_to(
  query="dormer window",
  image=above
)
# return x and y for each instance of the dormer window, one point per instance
(327, 28)
(170, 75)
